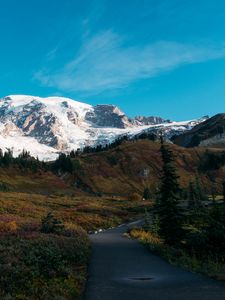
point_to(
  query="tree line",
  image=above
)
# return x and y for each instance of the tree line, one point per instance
(24, 160)
(195, 228)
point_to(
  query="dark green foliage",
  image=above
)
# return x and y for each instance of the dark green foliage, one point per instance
(170, 217)
(224, 191)
(147, 194)
(200, 193)
(4, 187)
(63, 163)
(24, 161)
(52, 225)
(192, 196)
(147, 220)
(195, 141)
(151, 222)
(215, 230)
(195, 195)
(112, 160)
(40, 266)
(208, 236)
(211, 161)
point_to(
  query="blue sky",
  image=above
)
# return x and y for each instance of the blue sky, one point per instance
(150, 57)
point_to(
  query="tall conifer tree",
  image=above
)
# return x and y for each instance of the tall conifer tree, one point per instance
(169, 213)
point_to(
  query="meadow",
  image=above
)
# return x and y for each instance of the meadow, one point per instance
(51, 265)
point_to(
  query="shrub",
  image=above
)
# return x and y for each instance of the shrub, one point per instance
(134, 197)
(40, 266)
(148, 238)
(52, 225)
(8, 226)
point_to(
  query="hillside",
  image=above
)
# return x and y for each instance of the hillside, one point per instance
(117, 171)
(135, 165)
(208, 133)
(97, 194)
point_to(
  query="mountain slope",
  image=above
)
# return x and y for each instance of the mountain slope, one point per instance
(134, 165)
(47, 126)
(211, 132)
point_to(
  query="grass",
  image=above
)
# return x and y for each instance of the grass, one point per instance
(209, 266)
(85, 211)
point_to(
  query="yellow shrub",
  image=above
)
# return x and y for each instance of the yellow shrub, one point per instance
(146, 237)
(8, 226)
(135, 197)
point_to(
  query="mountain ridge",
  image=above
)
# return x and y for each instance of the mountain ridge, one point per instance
(47, 126)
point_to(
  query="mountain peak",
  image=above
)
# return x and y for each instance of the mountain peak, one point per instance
(56, 124)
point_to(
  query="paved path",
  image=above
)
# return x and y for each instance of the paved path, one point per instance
(118, 263)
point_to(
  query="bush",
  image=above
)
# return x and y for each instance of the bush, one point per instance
(8, 226)
(151, 240)
(134, 197)
(51, 225)
(40, 266)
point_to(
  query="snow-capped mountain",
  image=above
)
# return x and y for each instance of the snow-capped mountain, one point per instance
(152, 120)
(47, 126)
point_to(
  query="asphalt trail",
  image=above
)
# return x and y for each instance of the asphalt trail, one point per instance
(122, 269)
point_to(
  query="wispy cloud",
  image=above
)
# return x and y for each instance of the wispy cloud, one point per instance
(104, 62)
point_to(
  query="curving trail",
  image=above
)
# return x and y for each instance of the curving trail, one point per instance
(122, 269)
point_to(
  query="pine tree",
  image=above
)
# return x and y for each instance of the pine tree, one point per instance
(199, 192)
(51, 225)
(147, 194)
(151, 222)
(169, 213)
(63, 163)
(195, 195)
(191, 196)
(224, 191)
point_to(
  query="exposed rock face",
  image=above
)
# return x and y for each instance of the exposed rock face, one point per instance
(218, 139)
(140, 120)
(9, 129)
(45, 126)
(207, 133)
(108, 116)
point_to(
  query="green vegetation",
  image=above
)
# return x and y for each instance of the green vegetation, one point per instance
(193, 237)
(40, 266)
(211, 161)
(44, 255)
(167, 208)
(52, 225)
(23, 161)
(147, 193)
(46, 210)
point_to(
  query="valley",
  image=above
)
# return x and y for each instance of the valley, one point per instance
(56, 189)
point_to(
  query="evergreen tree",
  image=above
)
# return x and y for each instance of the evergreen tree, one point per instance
(147, 221)
(7, 159)
(151, 222)
(169, 213)
(195, 195)
(147, 194)
(191, 195)
(51, 225)
(224, 191)
(200, 194)
(63, 163)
